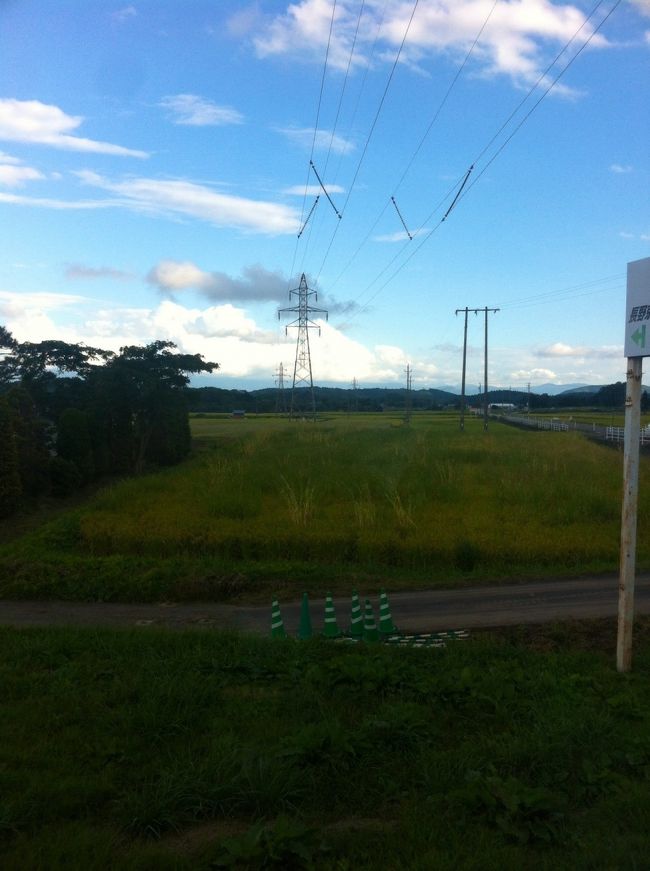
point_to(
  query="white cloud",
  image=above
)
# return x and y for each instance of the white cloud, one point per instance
(534, 375)
(515, 42)
(620, 169)
(15, 176)
(63, 205)
(198, 201)
(43, 124)
(26, 314)
(196, 111)
(121, 16)
(313, 190)
(324, 141)
(643, 6)
(400, 235)
(560, 349)
(7, 158)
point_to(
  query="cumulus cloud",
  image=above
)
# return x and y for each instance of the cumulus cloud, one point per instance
(256, 283)
(198, 201)
(75, 271)
(534, 375)
(560, 349)
(515, 41)
(29, 316)
(43, 124)
(620, 169)
(188, 109)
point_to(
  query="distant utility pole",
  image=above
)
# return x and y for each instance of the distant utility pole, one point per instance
(409, 384)
(462, 388)
(302, 374)
(528, 401)
(485, 374)
(280, 400)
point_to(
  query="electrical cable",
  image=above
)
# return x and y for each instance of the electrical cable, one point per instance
(369, 137)
(420, 144)
(503, 145)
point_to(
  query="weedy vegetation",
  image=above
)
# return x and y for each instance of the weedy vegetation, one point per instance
(200, 750)
(275, 505)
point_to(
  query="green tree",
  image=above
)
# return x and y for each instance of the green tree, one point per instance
(31, 443)
(73, 442)
(10, 487)
(147, 379)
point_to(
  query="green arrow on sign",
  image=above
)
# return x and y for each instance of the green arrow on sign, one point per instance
(639, 337)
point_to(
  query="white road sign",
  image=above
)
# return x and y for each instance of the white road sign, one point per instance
(637, 309)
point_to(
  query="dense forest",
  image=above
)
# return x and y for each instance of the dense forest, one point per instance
(216, 400)
(71, 414)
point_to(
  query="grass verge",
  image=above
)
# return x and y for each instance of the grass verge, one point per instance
(155, 750)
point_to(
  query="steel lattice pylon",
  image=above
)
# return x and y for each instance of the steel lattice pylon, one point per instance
(302, 374)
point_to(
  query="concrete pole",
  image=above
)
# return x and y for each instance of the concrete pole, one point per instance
(629, 514)
(462, 389)
(485, 377)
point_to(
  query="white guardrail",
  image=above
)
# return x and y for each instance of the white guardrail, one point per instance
(608, 433)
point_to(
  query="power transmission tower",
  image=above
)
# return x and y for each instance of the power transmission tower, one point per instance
(355, 400)
(302, 374)
(280, 400)
(485, 374)
(408, 402)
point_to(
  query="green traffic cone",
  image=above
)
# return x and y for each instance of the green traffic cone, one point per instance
(277, 626)
(330, 629)
(369, 628)
(304, 630)
(356, 617)
(386, 625)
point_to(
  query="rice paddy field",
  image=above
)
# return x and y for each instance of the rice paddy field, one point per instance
(271, 505)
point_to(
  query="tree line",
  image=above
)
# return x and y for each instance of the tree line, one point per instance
(71, 414)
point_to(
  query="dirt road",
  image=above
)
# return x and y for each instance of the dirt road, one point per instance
(423, 611)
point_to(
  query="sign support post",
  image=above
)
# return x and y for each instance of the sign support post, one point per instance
(637, 346)
(629, 514)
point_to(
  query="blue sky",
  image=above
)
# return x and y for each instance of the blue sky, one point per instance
(155, 172)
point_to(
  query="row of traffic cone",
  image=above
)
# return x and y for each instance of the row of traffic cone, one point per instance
(362, 626)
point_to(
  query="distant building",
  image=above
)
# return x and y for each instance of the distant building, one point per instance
(502, 406)
(238, 412)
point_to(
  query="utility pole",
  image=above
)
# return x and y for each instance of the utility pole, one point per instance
(355, 400)
(302, 374)
(485, 374)
(280, 401)
(528, 402)
(462, 389)
(407, 404)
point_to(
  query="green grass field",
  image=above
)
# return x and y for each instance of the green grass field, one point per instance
(274, 506)
(199, 750)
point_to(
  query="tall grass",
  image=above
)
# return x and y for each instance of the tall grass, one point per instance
(356, 497)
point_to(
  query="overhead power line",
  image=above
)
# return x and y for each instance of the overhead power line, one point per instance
(418, 148)
(462, 194)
